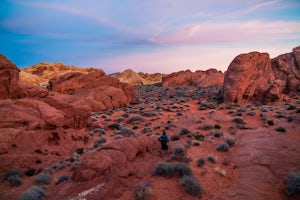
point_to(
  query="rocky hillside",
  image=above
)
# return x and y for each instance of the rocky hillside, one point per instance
(133, 78)
(41, 73)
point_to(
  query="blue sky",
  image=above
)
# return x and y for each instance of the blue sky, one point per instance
(149, 36)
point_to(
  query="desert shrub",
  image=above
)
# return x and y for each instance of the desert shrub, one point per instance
(239, 121)
(182, 169)
(75, 165)
(61, 178)
(293, 184)
(135, 119)
(217, 126)
(216, 133)
(291, 107)
(14, 180)
(143, 191)
(13, 177)
(60, 166)
(200, 162)
(33, 193)
(230, 141)
(164, 169)
(199, 137)
(270, 122)
(179, 154)
(29, 172)
(280, 129)
(184, 131)
(207, 127)
(43, 178)
(212, 159)
(223, 147)
(175, 137)
(191, 185)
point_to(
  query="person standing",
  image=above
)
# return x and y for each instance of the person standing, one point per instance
(164, 139)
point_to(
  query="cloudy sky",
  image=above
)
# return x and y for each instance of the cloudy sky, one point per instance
(146, 35)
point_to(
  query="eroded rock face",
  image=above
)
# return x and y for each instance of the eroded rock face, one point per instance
(9, 77)
(248, 78)
(71, 83)
(286, 67)
(211, 77)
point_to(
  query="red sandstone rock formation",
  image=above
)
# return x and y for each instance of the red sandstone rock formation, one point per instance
(41, 73)
(9, 77)
(133, 78)
(71, 83)
(248, 78)
(286, 67)
(211, 77)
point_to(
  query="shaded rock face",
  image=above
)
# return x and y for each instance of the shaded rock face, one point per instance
(249, 78)
(133, 78)
(286, 67)
(211, 77)
(71, 83)
(9, 77)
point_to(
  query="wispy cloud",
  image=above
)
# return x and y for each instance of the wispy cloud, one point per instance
(203, 33)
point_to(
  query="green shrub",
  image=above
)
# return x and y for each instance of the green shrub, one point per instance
(143, 191)
(199, 137)
(280, 129)
(43, 178)
(191, 185)
(33, 193)
(200, 162)
(223, 147)
(182, 169)
(61, 178)
(164, 169)
(293, 184)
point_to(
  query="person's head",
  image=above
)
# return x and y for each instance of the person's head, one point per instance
(164, 132)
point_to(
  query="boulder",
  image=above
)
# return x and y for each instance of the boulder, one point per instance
(248, 78)
(286, 67)
(9, 77)
(211, 77)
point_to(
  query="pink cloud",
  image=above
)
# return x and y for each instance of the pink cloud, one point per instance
(202, 33)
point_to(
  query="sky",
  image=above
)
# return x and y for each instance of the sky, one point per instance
(146, 35)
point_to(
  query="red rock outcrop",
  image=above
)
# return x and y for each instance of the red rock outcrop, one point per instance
(211, 77)
(41, 73)
(71, 83)
(286, 67)
(248, 78)
(9, 77)
(133, 78)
